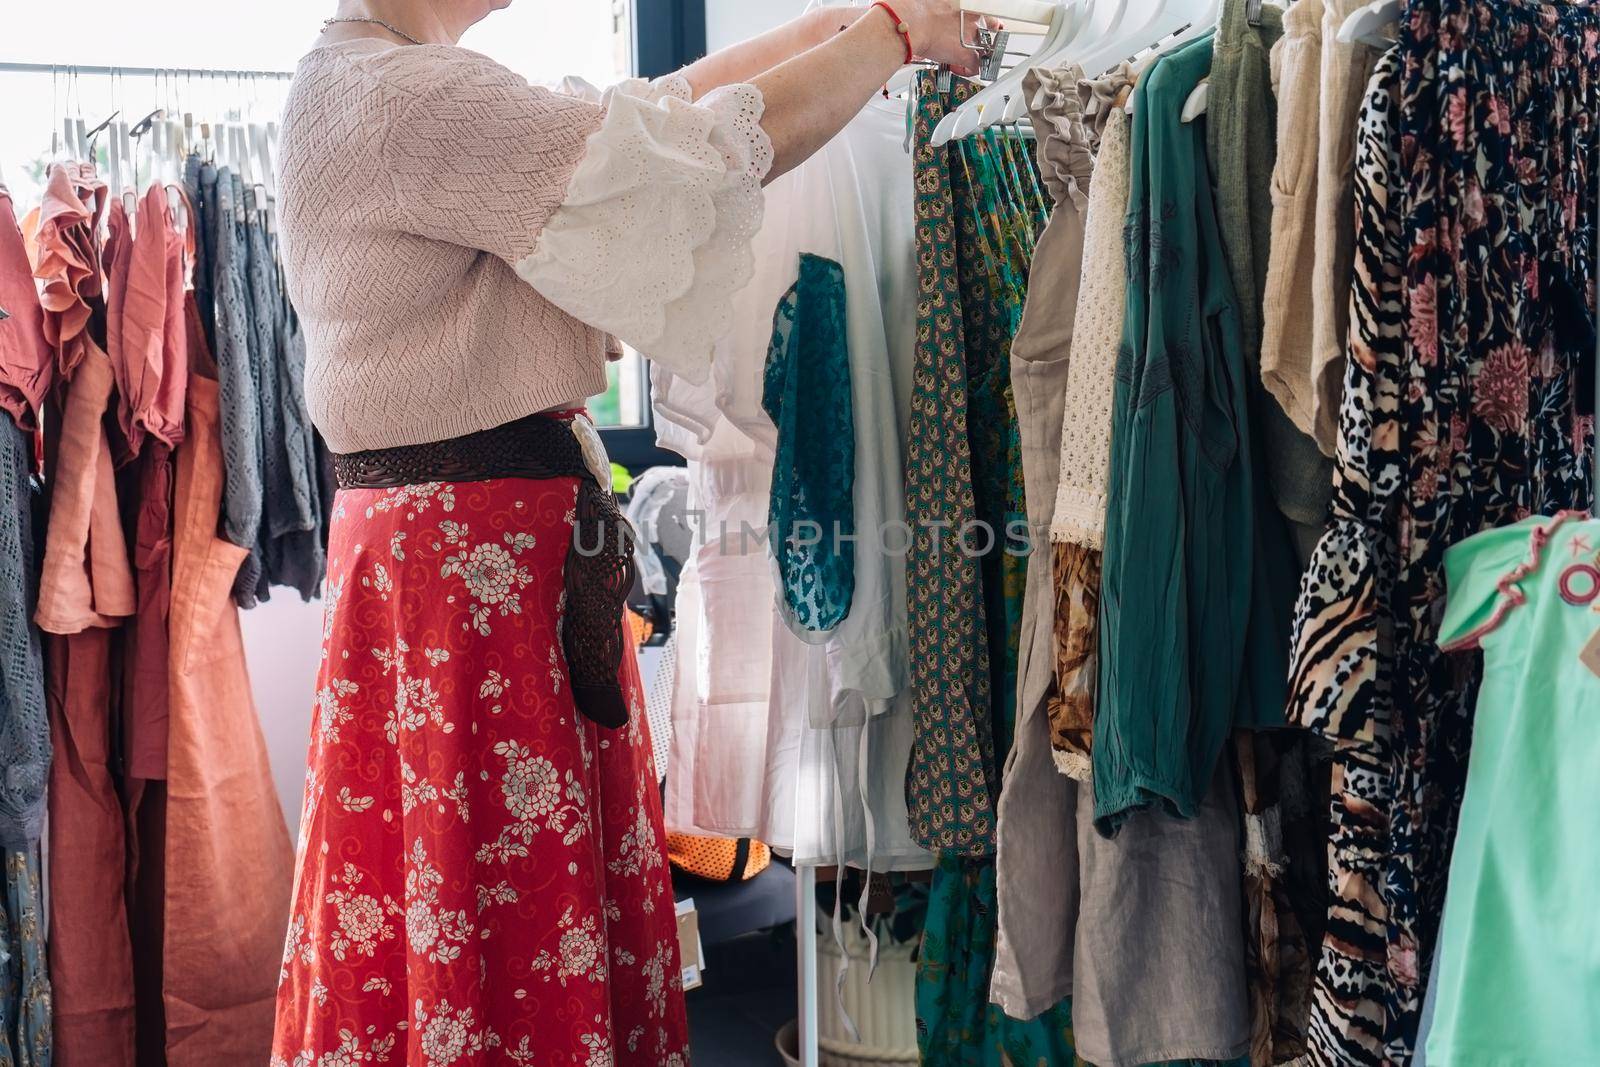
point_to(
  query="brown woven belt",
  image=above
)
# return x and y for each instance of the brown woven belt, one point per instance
(600, 565)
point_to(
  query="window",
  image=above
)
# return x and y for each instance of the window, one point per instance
(626, 403)
(669, 34)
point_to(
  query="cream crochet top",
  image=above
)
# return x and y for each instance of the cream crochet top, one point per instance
(459, 244)
(1080, 515)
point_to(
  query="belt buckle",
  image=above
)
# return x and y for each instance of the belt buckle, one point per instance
(593, 449)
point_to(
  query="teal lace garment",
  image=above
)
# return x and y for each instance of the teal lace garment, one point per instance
(806, 393)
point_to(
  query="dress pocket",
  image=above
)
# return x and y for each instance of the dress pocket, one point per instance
(1294, 174)
(197, 609)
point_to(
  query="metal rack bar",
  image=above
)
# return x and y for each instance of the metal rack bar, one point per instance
(139, 72)
(805, 929)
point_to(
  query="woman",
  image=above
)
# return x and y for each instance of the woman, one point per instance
(482, 877)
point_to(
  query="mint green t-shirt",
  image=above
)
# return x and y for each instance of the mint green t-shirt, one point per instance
(1519, 966)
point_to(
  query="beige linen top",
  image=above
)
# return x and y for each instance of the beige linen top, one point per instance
(1286, 312)
(1079, 515)
(1346, 69)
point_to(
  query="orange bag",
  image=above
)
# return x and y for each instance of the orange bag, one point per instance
(718, 859)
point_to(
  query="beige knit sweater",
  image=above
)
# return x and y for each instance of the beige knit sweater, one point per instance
(459, 244)
(1080, 505)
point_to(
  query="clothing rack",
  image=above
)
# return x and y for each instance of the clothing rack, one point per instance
(139, 72)
(805, 930)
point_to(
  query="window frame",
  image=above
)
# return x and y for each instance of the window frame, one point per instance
(667, 35)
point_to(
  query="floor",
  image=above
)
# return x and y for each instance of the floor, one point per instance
(750, 991)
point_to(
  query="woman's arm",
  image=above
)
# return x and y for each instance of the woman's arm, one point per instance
(744, 61)
(812, 96)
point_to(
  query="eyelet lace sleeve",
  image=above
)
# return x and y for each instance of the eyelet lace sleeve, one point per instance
(652, 240)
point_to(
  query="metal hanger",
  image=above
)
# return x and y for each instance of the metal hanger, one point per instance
(1059, 23)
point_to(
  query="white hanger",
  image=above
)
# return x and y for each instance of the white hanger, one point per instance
(176, 139)
(247, 167)
(1082, 28)
(72, 137)
(272, 156)
(1203, 21)
(130, 166)
(263, 153)
(1097, 34)
(158, 150)
(1365, 24)
(1148, 24)
(114, 155)
(1030, 12)
(966, 118)
(1200, 95)
(180, 146)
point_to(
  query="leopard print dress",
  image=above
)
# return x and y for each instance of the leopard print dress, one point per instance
(1343, 642)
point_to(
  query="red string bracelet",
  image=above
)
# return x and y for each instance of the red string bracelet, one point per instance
(900, 27)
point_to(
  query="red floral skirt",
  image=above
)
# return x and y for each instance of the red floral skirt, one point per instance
(482, 876)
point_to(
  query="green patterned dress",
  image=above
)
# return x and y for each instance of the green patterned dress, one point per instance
(978, 209)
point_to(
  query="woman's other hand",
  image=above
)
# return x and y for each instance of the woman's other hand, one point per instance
(940, 32)
(811, 96)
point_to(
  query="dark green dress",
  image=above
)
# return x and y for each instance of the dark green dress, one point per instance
(1192, 622)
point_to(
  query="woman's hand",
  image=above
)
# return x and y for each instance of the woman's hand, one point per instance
(816, 72)
(939, 32)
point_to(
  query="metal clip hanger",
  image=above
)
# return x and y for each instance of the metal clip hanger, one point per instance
(992, 48)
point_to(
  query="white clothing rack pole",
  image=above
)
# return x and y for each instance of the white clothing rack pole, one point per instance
(805, 931)
(139, 72)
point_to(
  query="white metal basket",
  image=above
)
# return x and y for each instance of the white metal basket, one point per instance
(884, 1009)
